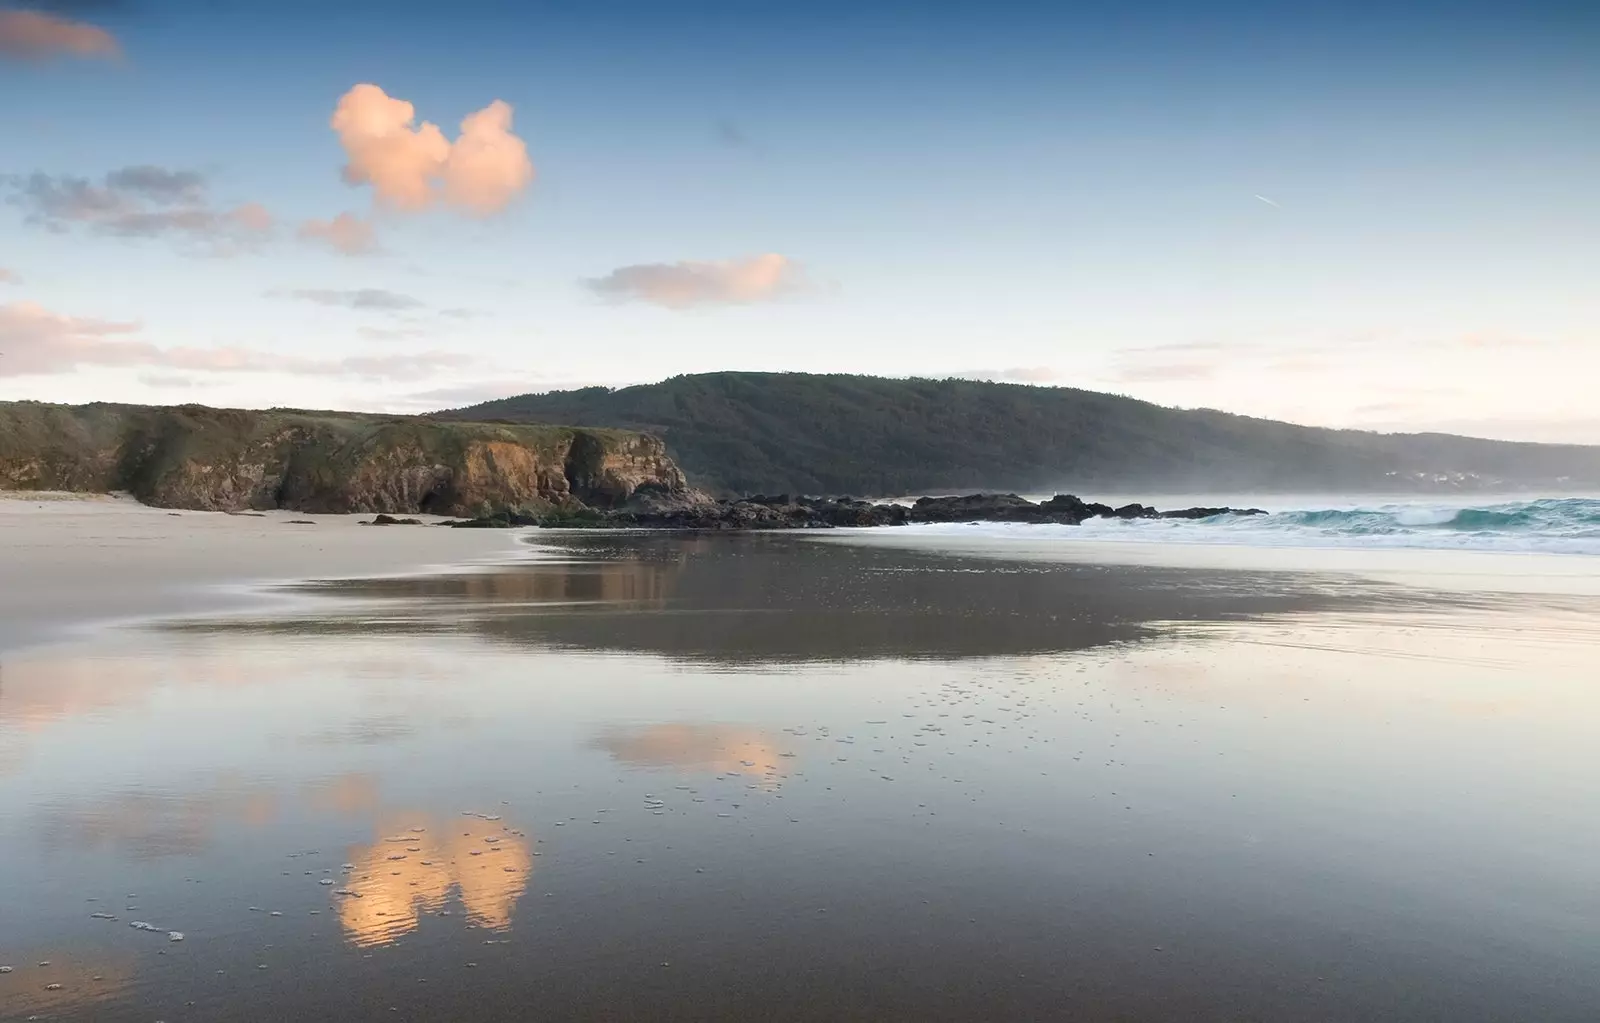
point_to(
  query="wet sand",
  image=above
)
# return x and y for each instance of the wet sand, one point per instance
(69, 560)
(736, 777)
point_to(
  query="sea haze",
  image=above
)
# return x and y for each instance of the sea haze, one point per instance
(744, 777)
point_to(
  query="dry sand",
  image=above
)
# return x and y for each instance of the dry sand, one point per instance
(69, 561)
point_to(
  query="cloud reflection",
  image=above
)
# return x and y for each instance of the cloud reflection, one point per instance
(727, 749)
(147, 823)
(420, 862)
(85, 987)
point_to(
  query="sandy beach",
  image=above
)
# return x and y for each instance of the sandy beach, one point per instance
(783, 776)
(71, 560)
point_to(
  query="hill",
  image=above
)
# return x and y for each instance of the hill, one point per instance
(230, 460)
(841, 434)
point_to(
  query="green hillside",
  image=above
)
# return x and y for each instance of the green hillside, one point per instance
(772, 432)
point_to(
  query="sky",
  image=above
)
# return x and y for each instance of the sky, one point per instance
(1357, 214)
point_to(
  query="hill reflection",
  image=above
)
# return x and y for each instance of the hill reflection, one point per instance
(762, 598)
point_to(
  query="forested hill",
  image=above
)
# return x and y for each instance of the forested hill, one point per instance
(841, 434)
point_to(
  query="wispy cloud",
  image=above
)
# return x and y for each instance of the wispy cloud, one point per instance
(35, 340)
(1158, 373)
(168, 381)
(686, 284)
(346, 234)
(462, 395)
(9, 276)
(730, 134)
(158, 184)
(139, 202)
(358, 298)
(390, 333)
(38, 36)
(413, 167)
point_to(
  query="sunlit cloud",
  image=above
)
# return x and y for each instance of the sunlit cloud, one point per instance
(37, 36)
(346, 234)
(691, 283)
(412, 167)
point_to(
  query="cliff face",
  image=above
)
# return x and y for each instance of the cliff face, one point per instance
(233, 460)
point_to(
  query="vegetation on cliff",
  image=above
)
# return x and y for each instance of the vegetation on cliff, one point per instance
(229, 460)
(837, 434)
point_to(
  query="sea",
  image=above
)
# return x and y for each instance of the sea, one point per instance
(1553, 525)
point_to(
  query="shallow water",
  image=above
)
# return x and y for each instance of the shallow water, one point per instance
(765, 777)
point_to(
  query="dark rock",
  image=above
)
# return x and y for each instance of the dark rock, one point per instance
(1206, 513)
(1071, 510)
(388, 520)
(975, 508)
(302, 522)
(653, 506)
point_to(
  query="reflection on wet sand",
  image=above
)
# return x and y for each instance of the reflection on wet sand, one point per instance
(1259, 813)
(45, 687)
(726, 749)
(344, 794)
(417, 865)
(48, 985)
(633, 581)
(146, 823)
(759, 598)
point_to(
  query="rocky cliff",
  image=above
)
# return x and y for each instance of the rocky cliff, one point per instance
(232, 460)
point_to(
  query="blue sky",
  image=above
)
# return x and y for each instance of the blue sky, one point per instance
(1343, 214)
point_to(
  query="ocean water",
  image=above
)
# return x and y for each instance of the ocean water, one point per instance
(1567, 525)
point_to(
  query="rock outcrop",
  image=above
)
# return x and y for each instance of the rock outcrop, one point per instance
(235, 460)
(651, 509)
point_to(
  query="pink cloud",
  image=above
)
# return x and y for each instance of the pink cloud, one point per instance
(411, 167)
(685, 284)
(34, 35)
(345, 233)
(8, 276)
(252, 216)
(38, 341)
